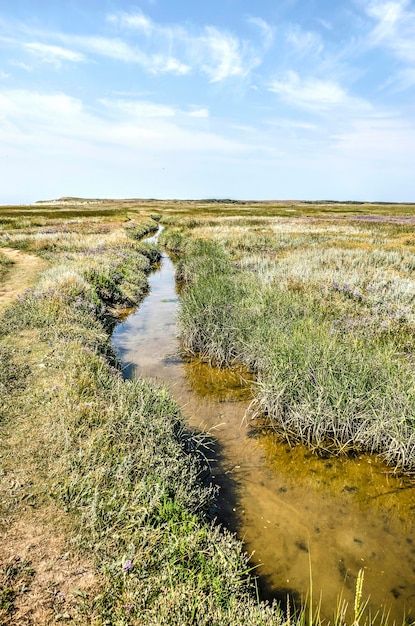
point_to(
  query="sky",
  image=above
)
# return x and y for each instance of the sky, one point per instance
(272, 99)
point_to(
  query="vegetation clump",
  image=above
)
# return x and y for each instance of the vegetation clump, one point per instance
(5, 264)
(322, 313)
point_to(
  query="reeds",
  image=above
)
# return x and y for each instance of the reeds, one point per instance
(328, 332)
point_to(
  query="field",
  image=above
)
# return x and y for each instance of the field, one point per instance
(105, 517)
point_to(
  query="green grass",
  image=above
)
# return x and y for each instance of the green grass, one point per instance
(327, 331)
(114, 459)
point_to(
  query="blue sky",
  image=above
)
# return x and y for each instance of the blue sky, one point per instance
(309, 99)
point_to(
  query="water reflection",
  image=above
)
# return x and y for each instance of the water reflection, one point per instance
(292, 509)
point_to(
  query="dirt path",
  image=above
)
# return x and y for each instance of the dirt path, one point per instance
(20, 276)
(43, 579)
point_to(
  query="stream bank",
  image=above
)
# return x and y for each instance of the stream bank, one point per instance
(293, 511)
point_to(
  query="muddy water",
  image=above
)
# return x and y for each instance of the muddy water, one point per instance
(295, 512)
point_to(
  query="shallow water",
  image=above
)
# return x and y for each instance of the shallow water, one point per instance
(294, 511)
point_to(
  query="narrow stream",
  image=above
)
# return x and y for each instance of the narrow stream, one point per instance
(294, 511)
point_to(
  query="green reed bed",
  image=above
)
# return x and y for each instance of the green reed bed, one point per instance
(329, 332)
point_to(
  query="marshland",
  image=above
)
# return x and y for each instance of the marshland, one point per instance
(119, 504)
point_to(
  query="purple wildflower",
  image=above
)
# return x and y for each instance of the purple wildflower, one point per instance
(128, 565)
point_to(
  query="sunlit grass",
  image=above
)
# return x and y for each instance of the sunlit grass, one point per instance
(115, 457)
(328, 328)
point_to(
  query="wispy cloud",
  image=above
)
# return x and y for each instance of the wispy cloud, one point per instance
(177, 49)
(21, 65)
(395, 27)
(325, 23)
(224, 56)
(59, 122)
(199, 112)
(112, 47)
(292, 124)
(303, 42)
(217, 53)
(116, 48)
(43, 52)
(313, 93)
(136, 21)
(139, 109)
(54, 55)
(367, 138)
(267, 31)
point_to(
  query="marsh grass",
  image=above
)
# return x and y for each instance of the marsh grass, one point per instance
(327, 330)
(126, 474)
(114, 458)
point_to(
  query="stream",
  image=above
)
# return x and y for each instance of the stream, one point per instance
(296, 513)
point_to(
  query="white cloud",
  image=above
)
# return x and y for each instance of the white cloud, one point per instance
(157, 48)
(113, 48)
(395, 27)
(4, 75)
(225, 55)
(217, 53)
(125, 147)
(53, 54)
(385, 139)
(292, 124)
(325, 23)
(316, 95)
(139, 109)
(160, 64)
(267, 31)
(34, 105)
(21, 65)
(201, 113)
(136, 21)
(303, 42)
(404, 79)
(120, 50)
(58, 123)
(44, 52)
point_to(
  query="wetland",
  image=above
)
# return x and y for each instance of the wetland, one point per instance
(295, 511)
(266, 382)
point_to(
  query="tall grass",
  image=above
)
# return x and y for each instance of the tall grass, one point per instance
(333, 361)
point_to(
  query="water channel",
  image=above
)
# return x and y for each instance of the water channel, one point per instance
(293, 511)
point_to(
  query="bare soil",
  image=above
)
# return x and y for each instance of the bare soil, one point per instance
(21, 275)
(44, 581)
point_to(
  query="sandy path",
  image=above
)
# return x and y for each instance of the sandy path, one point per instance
(20, 276)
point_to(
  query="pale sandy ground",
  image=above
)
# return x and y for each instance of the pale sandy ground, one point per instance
(20, 276)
